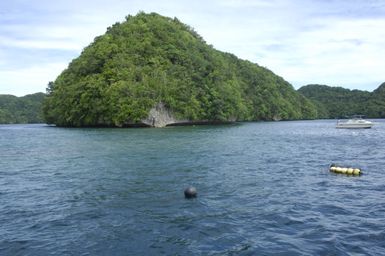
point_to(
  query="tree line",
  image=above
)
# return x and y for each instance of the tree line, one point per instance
(26, 109)
(338, 102)
(331, 102)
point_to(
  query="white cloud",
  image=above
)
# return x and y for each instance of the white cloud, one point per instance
(46, 44)
(29, 80)
(327, 42)
(344, 52)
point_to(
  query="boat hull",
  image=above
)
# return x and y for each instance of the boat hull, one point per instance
(364, 126)
(356, 123)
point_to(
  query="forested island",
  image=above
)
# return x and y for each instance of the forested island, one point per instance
(26, 109)
(156, 71)
(338, 102)
(152, 70)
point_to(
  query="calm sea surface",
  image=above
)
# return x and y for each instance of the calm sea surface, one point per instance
(263, 189)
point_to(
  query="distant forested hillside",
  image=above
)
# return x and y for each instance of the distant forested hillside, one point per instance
(27, 109)
(337, 102)
(150, 59)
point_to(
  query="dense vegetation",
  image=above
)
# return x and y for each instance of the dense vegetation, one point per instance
(149, 59)
(337, 102)
(27, 109)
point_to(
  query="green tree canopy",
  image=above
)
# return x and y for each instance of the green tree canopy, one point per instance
(149, 59)
(27, 109)
(338, 102)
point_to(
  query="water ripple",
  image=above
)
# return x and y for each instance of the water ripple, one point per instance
(263, 189)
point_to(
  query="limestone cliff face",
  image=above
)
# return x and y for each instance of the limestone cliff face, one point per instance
(160, 116)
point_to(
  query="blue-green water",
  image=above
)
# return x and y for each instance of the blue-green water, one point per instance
(263, 189)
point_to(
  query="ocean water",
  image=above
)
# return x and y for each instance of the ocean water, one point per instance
(263, 189)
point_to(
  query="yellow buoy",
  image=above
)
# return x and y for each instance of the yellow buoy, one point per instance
(356, 172)
(345, 170)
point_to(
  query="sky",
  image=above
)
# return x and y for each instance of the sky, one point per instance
(332, 42)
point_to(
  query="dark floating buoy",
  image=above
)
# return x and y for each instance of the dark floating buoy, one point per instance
(190, 192)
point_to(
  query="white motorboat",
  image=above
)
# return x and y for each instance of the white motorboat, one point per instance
(357, 122)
